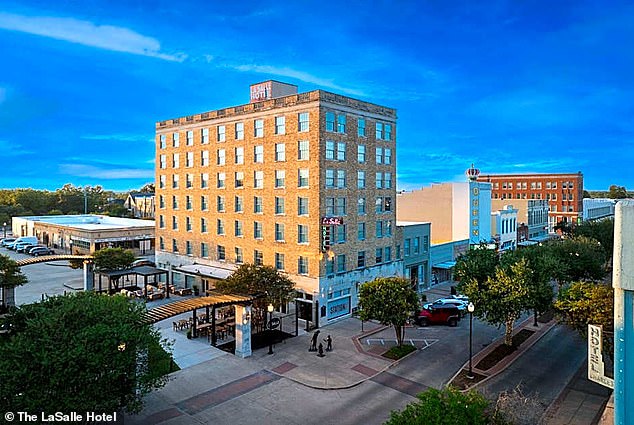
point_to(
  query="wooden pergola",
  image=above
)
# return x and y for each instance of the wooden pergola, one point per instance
(145, 271)
(211, 301)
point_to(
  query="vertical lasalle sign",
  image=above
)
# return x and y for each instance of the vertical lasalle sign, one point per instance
(596, 367)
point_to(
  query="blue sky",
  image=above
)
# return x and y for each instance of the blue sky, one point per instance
(512, 86)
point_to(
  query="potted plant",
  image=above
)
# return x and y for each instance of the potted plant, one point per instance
(195, 289)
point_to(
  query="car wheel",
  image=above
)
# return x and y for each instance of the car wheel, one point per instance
(423, 322)
(453, 322)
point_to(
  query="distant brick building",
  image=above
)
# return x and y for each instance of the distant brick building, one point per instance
(301, 182)
(564, 192)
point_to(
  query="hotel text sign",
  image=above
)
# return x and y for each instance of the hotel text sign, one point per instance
(261, 91)
(596, 368)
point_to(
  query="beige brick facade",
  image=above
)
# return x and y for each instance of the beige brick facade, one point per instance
(261, 153)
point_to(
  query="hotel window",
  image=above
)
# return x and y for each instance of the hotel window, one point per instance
(361, 154)
(239, 256)
(161, 201)
(341, 123)
(330, 178)
(279, 261)
(221, 180)
(188, 224)
(341, 151)
(175, 179)
(387, 203)
(570, 196)
(361, 179)
(539, 185)
(174, 222)
(280, 178)
(341, 206)
(361, 259)
(190, 138)
(280, 152)
(533, 185)
(417, 245)
(257, 230)
(361, 127)
(204, 250)
(221, 157)
(330, 121)
(163, 162)
(175, 140)
(239, 127)
(258, 179)
(379, 229)
(257, 204)
(563, 196)
(341, 233)
(188, 248)
(175, 160)
(524, 186)
(388, 132)
(161, 222)
(330, 206)
(162, 141)
(361, 206)
(330, 149)
(302, 206)
(174, 245)
(203, 225)
(341, 263)
(302, 118)
(280, 125)
(361, 231)
(302, 180)
(564, 208)
(379, 180)
(570, 185)
(188, 202)
(302, 265)
(258, 128)
(279, 205)
(204, 135)
(302, 233)
(204, 180)
(239, 179)
(220, 203)
(221, 253)
(379, 131)
(341, 179)
(221, 136)
(162, 182)
(388, 253)
(378, 255)
(387, 180)
(387, 156)
(518, 185)
(302, 150)
(279, 232)
(554, 185)
(237, 228)
(238, 205)
(547, 185)
(379, 155)
(330, 266)
(258, 153)
(204, 158)
(239, 152)
(406, 247)
(189, 180)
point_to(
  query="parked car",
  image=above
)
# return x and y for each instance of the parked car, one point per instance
(41, 251)
(25, 247)
(142, 262)
(460, 305)
(22, 240)
(7, 241)
(442, 314)
(28, 251)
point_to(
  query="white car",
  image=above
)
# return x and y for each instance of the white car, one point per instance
(462, 298)
(461, 305)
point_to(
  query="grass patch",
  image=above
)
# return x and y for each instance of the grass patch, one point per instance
(503, 350)
(398, 352)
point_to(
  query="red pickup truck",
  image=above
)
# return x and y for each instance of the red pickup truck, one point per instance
(445, 315)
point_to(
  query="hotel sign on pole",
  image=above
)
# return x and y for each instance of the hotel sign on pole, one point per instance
(596, 368)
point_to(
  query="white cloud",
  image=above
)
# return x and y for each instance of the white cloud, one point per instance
(105, 37)
(82, 170)
(299, 75)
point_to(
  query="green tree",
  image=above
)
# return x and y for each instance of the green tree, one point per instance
(586, 194)
(147, 188)
(601, 230)
(540, 289)
(80, 352)
(10, 277)
(109, 259)
(579, 258)
(448, 406)
(617, 192)
(584, 303)
(390, 300)
(476, 265)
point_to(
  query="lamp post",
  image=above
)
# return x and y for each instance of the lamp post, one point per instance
(4, 228)
(470, 309)
(270, 310)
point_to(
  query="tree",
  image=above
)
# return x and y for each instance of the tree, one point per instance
(540, 290)
(250, 279)
(601, 230)
(579, 258)
(10, 277)
(147, 188)
(584, 303)
(390, 300)
(81, 351)
(617, 192)
(477, 265)
(109, 259)
(586, 194)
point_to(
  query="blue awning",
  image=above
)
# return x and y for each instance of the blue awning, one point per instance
(444, 265)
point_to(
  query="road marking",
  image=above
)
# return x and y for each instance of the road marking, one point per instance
(412, 341)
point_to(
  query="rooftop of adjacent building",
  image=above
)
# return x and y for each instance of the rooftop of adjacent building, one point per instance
(91, 221)
(532, 175)
(280, 102)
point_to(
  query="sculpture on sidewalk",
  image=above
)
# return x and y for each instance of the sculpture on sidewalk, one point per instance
(321, 350)
(313, 341)
(328, 342)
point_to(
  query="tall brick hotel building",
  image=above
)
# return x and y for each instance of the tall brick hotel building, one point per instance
(301, 182)
(564, 192)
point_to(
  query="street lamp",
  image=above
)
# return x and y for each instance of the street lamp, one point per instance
(4, 228)
(470, 309)
(270, 310)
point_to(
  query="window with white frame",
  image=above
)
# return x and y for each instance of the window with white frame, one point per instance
(203, 225)
(257, 205)
(279, 261)
(387, 156)
(361, 209)
(387, 132)
(379, 155)
(280, 152)
(341, 263)
(379, 180)
(163, 162)
(188, 202)
(204, 250)
(378, 205)
(341, 179)
(189, 180)
(341, 151)
(302, 206)
(175, 179)
(341, 206)
(341, 123)
(379, 130)
(174, 222)
(239, 256)
(174, 245)
(330, 206)
(258, 153)
(279, 205)
(361, 179)
(340, 233)
(257, 229)
(330, 121)
(238, 205)
(189, 160)
(162, 179)
(174, 202)
(221, 157)
(387, 180)
(190, 138)
(161, 201)
(239, 130)
(239, 179)
(221, 180)
(221, 253)
(302, 150)
(302, 177)
(302, 233)
(162, 141)
(378, 255)
(280, 125)
(330, 149)
(220, 203)
(302, 265)
(303, 123)
(161, 222)
(280, 178)
(361, 231)
(221, 133)
(239, 154)
(379, 229)
(237, 228)
(258, 179)
(188, 248)
(175, 160)
(204, 158)
(330, 178)
(258, 128)
(204, 203)
(220, 227)
(279, 232)
(361, 259)
(204, 136)
(176, 140)
(361, 127)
